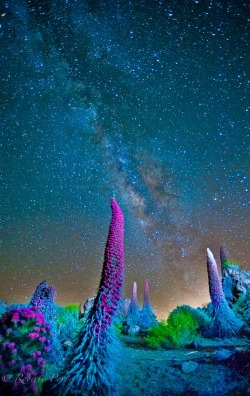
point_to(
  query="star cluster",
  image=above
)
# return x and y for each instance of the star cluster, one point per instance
(145, 100)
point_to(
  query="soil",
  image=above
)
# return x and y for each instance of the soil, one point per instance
(213, 368)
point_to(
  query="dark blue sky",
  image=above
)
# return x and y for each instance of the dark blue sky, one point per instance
(146, 100)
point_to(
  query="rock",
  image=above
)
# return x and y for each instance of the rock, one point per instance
(88, 305)
(133, 330)
(235, 283)
(67, 344)
(222, 354)
(188, 367)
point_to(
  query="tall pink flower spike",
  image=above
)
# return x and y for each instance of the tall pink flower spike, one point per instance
(89, 370)
(146, 302)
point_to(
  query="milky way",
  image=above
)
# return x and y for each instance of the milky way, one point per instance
(142, 100)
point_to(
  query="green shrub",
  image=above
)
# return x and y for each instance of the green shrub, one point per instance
(231, 263)
(157, 335)
(182, 327)
(197, 314)
(73, 308)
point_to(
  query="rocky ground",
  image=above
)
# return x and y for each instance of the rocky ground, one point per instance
(213, 368)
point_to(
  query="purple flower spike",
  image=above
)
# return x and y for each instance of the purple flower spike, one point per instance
(133, 317)
(146, 302)
(134, 302)
(43, 301)
(215, 287)
(223, 258)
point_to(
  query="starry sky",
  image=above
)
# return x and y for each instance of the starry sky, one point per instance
(144, 100)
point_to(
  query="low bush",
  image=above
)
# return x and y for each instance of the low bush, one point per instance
(181, 329)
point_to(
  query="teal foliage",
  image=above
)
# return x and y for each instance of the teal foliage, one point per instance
(2, 308)
(15, 306)
(68, 323)
(224, 323)
(242, 307)
(95, 373)
(133, 318)
(147, 318)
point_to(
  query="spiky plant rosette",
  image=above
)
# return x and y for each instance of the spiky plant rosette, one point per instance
(25, 342)
(91, 368)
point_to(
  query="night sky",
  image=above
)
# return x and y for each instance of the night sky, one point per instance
(144, 100)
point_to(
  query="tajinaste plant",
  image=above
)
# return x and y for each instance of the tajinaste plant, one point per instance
(224, 322)
(133, 318)
(146, 301)
(43, 300)
(89, 370)
(148, 317)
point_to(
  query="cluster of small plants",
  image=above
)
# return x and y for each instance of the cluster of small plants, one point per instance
(29, 344)
(25, 344)
(136, 321)
(35, 340)
(41, 337)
